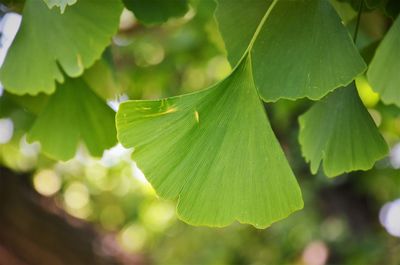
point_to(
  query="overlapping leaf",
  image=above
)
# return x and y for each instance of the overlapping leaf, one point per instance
(102, 80)
(72, 114)
(340, 132)
(48, 41)
(9, 108)
(306, 54)
(215, 151)
(384, 70)
(369, 3)
(156, 11)
(62, 4)
(390, 7)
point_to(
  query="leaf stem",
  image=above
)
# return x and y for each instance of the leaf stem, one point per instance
(358, 21)
(262, 22)
(255, 35)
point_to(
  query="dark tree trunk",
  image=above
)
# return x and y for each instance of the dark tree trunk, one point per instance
(34, 231)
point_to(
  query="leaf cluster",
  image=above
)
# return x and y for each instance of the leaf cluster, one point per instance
(213, 150)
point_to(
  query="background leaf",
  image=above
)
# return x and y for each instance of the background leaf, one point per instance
(383, 72)
(311, 53)
(156, 11)
(391, 8)
(48, 40)
(74, 113)
(237, 36)
(214, 150)
(340, 132)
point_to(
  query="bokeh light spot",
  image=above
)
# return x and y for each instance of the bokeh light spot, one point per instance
(47, 182)
(395, 156)
(316, 253)
(6, 130)
(76, 196)
(389, 217)
(132, 238)
(158, 215)
(9, 26)
(367, 95)
(218, 68)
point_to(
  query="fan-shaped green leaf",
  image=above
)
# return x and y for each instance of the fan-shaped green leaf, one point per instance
(48, 41)
(215, 151)
(156, 11)
(384, 70)
(62, 4)
(73, 113)
(339, 131)
(307, 54)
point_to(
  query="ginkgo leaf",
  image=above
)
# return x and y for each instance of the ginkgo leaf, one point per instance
(339, 131)
(215, 151)
(390, 7)
(62, 4)
(384, 70)
(146, 12)
(368, 3)
(74, 113)
(101, 79)
(49, 43)
(307, 54)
